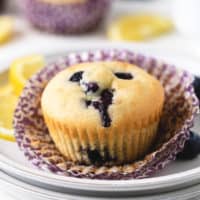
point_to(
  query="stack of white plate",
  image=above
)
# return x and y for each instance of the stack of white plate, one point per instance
(180, 180)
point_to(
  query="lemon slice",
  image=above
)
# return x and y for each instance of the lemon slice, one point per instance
(138, 27)
(6, 28)
(22, 69)
(7, 89)
(8, 101)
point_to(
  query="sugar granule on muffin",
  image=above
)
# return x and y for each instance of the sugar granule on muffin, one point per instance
(103, 112)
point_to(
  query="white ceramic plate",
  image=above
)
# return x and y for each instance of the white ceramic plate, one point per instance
(22, 191)
(176, 175)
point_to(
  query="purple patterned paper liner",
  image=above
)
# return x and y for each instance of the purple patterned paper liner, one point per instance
(180, 108)
(66, 18)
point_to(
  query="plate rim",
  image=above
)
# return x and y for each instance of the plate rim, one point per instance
(45, 193)
(192, 175)
(142, 48)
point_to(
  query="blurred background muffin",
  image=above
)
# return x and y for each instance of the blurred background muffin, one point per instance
(65, 16)
(2, 4)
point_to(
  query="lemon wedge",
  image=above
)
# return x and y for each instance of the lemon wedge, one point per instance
(138, 27)
(6, 28)
(8, 101)
(22, 69)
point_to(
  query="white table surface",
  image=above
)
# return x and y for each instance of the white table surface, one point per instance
(28, 40)
(5, 196)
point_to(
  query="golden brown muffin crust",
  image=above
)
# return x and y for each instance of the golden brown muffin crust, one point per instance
(134, 102)
(139, 99)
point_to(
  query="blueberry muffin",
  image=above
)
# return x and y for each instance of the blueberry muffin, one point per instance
(65, 16)
(103, 112)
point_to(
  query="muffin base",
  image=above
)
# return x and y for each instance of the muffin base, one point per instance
(83, 146)
(177, 118)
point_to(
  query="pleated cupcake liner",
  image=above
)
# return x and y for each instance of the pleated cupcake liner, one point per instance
(65, 17)
(115, 150)
(180, 108)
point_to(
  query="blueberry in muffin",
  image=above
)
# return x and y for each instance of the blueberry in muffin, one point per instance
(103, 112)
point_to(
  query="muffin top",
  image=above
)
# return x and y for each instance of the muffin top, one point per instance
(103, 95)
